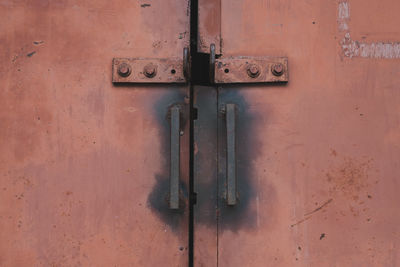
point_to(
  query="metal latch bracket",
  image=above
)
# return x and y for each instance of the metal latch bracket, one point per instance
(151, 70)
(247, 69)
(222, 70)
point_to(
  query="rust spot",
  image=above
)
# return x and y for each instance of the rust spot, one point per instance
(349, 178)
(157, 44)
(322, 236)
(350, 181)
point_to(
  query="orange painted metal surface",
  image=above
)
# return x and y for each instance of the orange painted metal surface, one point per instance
(209, 26)
(85, 164)
(84, 168)
(318, 158)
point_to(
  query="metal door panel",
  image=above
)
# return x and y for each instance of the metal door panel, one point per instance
(205, 210)
(209, 25)
(317, 158)
(85, 163)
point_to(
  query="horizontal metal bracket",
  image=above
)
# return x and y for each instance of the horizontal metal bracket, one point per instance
(250, 70)
(247, 69)
(221, 70)
(138, 70)
(151, 70)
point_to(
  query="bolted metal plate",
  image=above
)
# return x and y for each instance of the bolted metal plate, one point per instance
(141, 70)
(251, 70)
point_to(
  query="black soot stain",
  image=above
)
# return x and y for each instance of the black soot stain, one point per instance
(205, 156)
(158, 199)
(242, 215)
(212, 204)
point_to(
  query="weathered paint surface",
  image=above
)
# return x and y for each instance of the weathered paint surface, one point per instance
(324, 150)
(353, 48)
(81, 158)
(209, 25)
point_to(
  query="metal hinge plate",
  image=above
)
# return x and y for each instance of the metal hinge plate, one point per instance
(141, 70)
(247, 69)
(151, 70)
(251, 70)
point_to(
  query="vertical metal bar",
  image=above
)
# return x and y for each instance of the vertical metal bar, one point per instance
(175, 151)
(231, 154)
(212, 64)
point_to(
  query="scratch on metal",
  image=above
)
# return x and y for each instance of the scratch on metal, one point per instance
(320, 207)
(308, 215)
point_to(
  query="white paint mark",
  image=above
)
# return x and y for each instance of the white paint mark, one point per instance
(352, 48)
(343, 16)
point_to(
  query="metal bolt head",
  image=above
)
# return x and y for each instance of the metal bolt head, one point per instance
(278, 69)
(150, 70)
(253, 71)
(124, 70)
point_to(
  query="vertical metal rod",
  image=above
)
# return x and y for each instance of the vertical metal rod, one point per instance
(231, 154)
(212, 64)
(175, 159)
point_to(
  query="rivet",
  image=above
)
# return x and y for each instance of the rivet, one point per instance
(124, 70)
(150, 70)
(278, 69)
(253, 71)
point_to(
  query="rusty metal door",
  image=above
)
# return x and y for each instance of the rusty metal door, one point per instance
(316, 159)
(85, 163)
(169, 133)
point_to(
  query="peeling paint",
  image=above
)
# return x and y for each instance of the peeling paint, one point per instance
(353, 48)
(343, 16)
